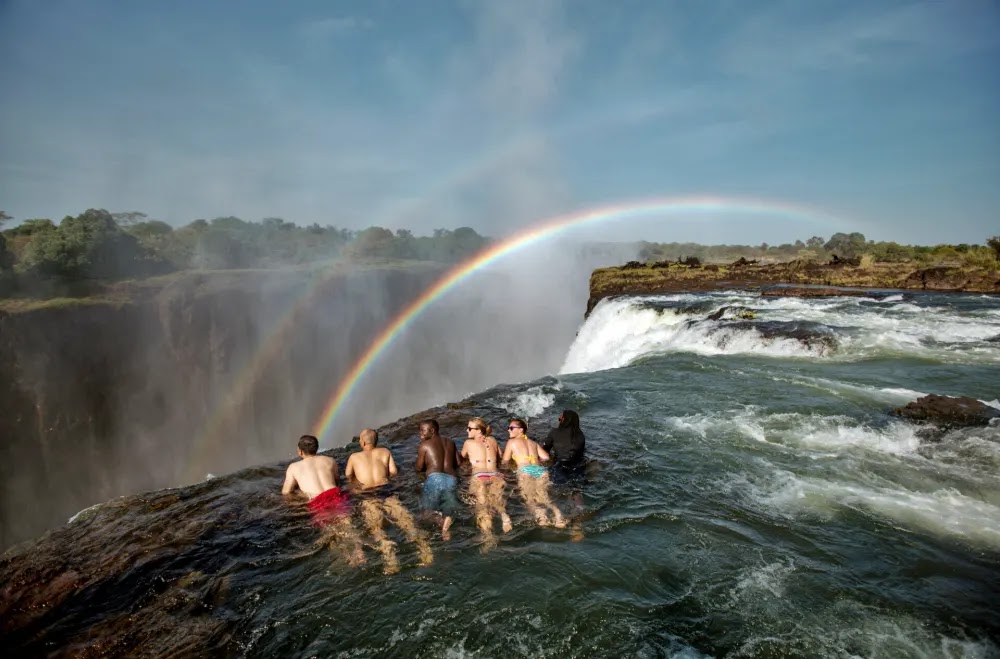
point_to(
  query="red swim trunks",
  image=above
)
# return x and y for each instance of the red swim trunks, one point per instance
(329, 506)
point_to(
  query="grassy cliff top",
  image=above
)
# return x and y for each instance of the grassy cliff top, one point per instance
(662, 277)
(118, 293)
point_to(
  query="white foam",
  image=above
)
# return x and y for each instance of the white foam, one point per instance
(830, 434)
(768, 580)
(84, 513)
(943, 512)
(530, 402)
(620, 331)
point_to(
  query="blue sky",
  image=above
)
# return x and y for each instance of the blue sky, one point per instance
(497, 114)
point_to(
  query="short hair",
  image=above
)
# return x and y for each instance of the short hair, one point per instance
(432, 423)
(308, 444)
(369, 435)
(520, 423)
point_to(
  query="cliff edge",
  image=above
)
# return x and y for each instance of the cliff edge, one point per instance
(802, 278)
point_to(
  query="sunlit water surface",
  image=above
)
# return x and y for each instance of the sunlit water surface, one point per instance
(747, 495)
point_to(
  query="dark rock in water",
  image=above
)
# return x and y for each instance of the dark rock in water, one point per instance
(718, 314)
(994, 339)
(948, 411)
(809, 334)
(819, 291)
(737, 311)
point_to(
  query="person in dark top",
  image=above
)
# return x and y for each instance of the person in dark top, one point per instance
(566, 443)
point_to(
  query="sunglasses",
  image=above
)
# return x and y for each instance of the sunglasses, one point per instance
(514, 428)
(471, 428)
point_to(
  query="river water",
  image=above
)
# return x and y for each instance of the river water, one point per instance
(748, 495)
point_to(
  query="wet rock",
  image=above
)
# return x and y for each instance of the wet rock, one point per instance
(742, 261)
(948, 411)
(941, 278)
(796, 291)
(742, 313)
(814, 336)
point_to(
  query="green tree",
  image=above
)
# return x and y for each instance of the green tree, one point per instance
(373, 241)
(994, 244)
(846, 245)
(90, 245)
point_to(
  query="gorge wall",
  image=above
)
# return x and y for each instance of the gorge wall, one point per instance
(102, 400)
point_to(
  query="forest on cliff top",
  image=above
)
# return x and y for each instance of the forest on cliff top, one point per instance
(40, 259)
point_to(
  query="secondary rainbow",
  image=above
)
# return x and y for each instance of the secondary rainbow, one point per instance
(534, 234)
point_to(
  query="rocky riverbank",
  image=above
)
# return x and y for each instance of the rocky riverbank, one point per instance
(802, 278)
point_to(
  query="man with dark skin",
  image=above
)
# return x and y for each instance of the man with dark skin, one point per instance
(440, 459)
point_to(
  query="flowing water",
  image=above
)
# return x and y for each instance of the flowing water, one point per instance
(748, 495)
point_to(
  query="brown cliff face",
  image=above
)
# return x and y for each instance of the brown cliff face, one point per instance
(103, 400)
(800, 276)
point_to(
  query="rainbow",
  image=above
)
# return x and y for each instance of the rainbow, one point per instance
(533, 234)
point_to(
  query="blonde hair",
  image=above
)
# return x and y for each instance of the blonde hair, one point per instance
(481, 424)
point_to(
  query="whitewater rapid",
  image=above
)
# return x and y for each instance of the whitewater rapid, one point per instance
(622, 330)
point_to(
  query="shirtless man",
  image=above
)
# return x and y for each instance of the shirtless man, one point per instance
(486, 484)
(439, 458)
(371, 468)
(316, 476)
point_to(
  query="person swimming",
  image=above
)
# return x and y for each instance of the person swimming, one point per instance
(566, 443)
(440, 459)
(316, 476)
(532, 477)
(486, 484)
(372, 468)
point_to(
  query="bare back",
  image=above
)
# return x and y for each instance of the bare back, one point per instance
(524, 451)
(313, 475)
(371, 467)
(483, 454)
(437, 454)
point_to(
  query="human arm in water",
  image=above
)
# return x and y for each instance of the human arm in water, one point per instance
(349, 469)
(391, 466)
(543, 455)
(421, 462)
(290, 482)
(546, 443)
(507, 452)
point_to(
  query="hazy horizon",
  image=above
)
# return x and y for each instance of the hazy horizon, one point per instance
(499, 115)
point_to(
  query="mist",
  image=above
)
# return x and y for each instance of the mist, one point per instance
(493, 116)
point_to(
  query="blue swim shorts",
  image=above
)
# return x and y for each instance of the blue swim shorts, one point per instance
(439, 493)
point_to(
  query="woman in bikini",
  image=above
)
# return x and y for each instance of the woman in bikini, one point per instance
(486, 484)
(532, 477)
